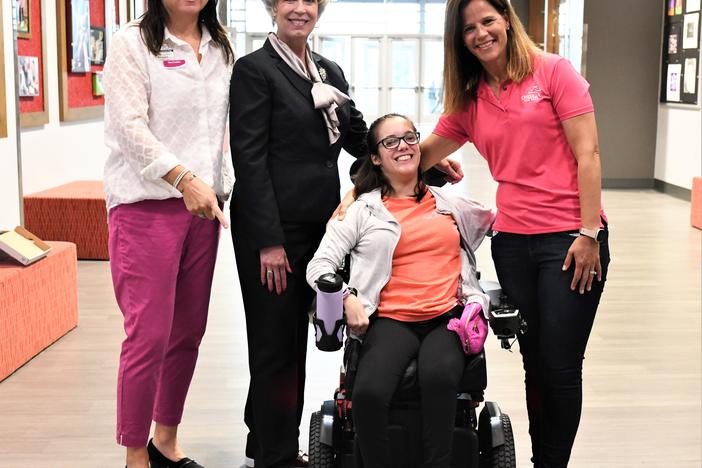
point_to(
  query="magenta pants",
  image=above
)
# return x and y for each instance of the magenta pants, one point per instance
(162, 260)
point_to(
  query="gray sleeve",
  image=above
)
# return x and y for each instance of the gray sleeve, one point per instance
(477, 218)
(341, 237)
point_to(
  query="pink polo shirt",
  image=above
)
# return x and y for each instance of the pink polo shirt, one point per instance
(521, 137)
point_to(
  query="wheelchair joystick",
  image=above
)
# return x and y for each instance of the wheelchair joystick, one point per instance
(329, 315)
(506, 322)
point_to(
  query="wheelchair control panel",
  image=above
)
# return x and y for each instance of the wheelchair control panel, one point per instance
(505, 320)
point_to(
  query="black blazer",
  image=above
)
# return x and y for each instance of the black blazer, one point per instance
(286, 171)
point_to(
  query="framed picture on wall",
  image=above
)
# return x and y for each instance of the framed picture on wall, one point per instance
(673, 82)
(32, 70)
(97, 84)
(691, 31)
(690, 74)
(28, 76)
(674, 42)
(21, 20)
(97, 46)
(80, 36)
(82, 28)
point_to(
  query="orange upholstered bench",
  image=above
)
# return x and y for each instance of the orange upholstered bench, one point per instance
(38, 305)
(73, 212)
(696, 205)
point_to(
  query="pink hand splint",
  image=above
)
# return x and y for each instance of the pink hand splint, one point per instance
(471, 328)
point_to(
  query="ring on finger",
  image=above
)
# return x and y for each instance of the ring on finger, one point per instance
(593, 272)
(269, 272)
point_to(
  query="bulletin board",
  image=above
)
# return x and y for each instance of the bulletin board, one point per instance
(31, 58)
(3, 100)
(82, 48)
(681, 52)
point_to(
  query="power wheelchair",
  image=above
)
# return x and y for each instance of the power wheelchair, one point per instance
(479, 441)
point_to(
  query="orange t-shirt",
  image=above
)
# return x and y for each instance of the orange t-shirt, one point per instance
(426, 264)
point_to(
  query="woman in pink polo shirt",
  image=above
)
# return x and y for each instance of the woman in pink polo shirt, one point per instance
(530, 115)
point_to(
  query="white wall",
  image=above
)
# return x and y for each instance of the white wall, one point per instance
(9, 187)
(678, 145)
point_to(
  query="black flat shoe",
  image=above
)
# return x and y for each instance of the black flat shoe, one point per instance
(158, 460)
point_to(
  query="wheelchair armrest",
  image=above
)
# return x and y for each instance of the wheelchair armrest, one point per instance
(352, 353)
(474, 378)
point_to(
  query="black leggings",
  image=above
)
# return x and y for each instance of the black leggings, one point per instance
(559, 321)
(387, 349)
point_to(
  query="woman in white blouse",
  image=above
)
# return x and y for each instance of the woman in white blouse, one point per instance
(167, 99)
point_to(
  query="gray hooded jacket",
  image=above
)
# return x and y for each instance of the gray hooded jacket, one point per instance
(370, 234)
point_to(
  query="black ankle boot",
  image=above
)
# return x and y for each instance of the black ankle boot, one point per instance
(158, 460)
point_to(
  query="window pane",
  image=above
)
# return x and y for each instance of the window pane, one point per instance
(432, 76)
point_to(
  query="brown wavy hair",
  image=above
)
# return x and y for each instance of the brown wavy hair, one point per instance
(370, 177)
(462, 70)
(153, 26)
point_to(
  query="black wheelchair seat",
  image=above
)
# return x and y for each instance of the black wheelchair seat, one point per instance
(473, 381)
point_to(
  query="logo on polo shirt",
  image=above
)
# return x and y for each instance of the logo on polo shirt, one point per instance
(533, 95)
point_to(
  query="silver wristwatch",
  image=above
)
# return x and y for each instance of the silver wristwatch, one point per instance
(594, 234)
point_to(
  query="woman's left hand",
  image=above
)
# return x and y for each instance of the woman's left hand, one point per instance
(356, 318)
(340, 211)
(274, 268)
(586, 254)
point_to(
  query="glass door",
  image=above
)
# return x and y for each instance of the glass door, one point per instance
(403, 86)
(366, 76)
(431, 88)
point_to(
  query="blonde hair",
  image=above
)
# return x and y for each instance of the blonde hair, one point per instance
(462, 70)
(271, 4)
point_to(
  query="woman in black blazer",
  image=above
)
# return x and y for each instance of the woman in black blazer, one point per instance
(284, 150)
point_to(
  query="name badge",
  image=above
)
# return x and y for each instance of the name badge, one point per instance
(165, 53)
(173, 63)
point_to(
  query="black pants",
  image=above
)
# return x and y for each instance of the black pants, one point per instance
(276, 328)
(559, 321)
(387, 349)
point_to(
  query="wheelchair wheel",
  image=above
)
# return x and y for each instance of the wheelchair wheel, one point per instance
(502, 456)
(321, 455)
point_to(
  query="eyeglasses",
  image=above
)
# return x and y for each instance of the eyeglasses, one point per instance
(392, 142)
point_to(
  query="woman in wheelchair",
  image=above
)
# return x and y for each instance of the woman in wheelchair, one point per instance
(413, 267)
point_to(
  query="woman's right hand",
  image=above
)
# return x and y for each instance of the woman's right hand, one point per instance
(340, 211)
(201, 200)
(452, 169)
(356, 318)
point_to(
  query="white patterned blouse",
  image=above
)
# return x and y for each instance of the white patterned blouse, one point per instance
(164, 111)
